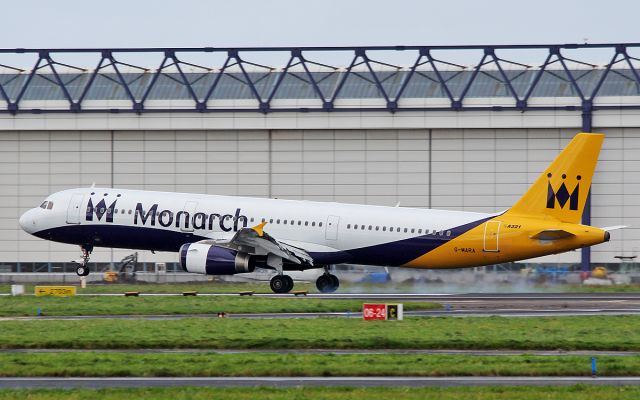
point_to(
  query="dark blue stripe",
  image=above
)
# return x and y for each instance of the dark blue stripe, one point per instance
(402, 251)
(144, 238)
(119, 236)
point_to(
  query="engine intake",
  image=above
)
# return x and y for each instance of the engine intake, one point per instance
(214, 260)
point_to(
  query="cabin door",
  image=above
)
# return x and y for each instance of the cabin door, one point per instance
(186, 224)
(73, 211)
(491, 236)
(332, 227)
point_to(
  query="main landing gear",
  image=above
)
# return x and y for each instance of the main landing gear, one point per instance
(327, 283)
(281, 284)
(83, 264)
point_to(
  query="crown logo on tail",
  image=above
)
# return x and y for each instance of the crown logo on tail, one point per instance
(562, 195)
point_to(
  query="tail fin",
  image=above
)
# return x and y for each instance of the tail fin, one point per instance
(561, 191)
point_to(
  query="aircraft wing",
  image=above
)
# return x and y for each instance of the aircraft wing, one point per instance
(256, 241)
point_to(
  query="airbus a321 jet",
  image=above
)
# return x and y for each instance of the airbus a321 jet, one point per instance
(223, 235)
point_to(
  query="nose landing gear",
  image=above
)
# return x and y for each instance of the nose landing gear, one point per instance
(83, 264)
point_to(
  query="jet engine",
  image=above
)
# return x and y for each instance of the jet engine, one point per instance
(214, 260)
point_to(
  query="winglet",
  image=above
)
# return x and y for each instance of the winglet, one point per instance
(260, 228)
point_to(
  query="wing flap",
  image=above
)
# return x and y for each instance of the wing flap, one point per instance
(261, 242)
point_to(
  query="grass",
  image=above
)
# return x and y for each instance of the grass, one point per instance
(200, 287)
(203, 364)
(576, 392)
(546, 333)
(110, 305)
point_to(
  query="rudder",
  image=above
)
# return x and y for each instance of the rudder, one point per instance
(561, 191)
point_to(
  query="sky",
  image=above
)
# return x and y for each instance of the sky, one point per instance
(255, 23)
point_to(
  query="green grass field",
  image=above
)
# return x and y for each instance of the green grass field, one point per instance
(203, 364)
(200, 287)
(577, 392)
(121, 305)
(548, 333)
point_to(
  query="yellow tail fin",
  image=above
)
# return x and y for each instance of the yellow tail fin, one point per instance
(561, 191)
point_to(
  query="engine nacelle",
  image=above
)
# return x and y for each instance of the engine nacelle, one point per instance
(214, 260)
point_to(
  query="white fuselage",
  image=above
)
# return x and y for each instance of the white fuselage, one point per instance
(163, 221)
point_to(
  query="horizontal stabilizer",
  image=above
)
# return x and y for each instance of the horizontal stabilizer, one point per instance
(613, 228)
(552, 234)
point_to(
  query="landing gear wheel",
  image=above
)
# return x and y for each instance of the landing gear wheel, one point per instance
(327, 283)
(289, 282)
(82, 270)
(281, 284)
(335, 282)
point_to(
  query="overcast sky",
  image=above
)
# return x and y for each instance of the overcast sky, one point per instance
(199, 23)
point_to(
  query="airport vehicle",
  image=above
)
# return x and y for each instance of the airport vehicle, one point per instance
(220, 235)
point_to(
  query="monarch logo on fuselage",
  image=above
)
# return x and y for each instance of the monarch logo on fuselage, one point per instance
(562, 195)
(100, 209)
(180, 219)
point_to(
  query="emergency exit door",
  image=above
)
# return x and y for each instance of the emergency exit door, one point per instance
(332, 227)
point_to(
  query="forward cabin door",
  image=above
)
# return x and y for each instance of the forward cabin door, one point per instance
(186, 221)
(73, 211)
(491, 236)
(332, 227)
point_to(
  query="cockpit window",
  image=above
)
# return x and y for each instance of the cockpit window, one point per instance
(47, 205)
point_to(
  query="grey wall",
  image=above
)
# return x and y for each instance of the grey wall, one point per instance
(460, 169)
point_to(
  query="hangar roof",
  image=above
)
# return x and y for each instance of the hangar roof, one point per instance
(365, 79)
(297, 85)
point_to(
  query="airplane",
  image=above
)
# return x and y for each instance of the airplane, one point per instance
(225, 235)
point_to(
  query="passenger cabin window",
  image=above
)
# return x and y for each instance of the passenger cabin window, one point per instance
(320, 224)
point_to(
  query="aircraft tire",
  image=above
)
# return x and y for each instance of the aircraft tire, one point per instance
(82, 270)
(289, 281)
(280, 284)
(327, 283)
(335, 282)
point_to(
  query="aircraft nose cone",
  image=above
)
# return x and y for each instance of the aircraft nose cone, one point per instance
(27, 222)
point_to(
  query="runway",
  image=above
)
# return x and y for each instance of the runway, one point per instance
(284, 382)
(520, 313)
(420, 296)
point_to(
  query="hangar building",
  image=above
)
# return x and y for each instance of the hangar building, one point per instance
(425, 131)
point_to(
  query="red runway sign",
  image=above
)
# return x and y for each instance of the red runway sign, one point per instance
(383, 312)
